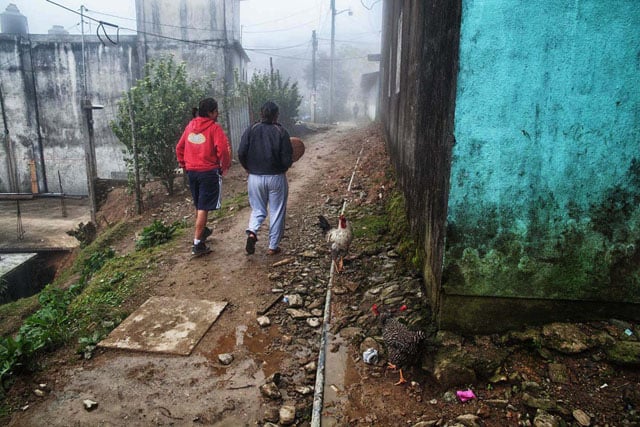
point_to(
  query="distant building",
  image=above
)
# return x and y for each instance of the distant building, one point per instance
(12, 21)
(57, 30)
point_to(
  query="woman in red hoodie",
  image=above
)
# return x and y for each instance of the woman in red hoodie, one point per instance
(203, 152)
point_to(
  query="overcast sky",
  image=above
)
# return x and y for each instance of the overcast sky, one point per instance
(283, 26)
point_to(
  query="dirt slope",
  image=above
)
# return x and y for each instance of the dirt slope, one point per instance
(147, 389)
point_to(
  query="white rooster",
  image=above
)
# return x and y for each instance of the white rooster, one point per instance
(339, 238)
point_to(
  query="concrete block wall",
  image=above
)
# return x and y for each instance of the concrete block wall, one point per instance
(42, 79)
(515, 131)
(43, 88)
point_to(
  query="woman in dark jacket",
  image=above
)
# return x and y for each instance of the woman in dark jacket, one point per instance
(265, 152)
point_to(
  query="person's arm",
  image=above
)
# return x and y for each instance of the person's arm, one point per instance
(243, 149)
(286, 150)
(222, 150)
(180, 151)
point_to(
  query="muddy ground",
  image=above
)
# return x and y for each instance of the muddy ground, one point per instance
(142, 389)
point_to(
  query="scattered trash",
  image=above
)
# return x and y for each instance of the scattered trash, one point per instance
(89, 404)
(465, 395)
(605, 385)
(285, 299)
(403, 307)
(628, 332)
(370, 356)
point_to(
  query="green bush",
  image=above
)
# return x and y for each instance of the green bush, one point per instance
(156, 234)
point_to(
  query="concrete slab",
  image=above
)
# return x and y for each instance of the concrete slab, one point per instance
(42, 224)
(165, 325)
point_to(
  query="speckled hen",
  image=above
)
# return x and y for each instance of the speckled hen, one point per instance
(403, 345)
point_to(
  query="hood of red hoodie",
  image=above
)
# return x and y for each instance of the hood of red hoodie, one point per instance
(200, 124)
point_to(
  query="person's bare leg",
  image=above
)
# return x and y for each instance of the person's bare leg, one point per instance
(201, 222)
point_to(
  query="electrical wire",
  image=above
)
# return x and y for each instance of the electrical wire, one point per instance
(369, 7)
(280, 29)
(279, 19)
(253, 49)
(141, 32)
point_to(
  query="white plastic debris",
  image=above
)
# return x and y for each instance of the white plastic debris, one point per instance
(370, 356)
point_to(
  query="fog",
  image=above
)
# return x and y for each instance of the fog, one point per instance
(276, 34)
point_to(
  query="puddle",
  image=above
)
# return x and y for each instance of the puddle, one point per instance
(259, 344)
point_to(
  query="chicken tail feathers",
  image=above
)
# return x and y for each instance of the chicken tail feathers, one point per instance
(324, 224)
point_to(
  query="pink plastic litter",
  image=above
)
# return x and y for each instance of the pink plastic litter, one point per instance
(465, 395)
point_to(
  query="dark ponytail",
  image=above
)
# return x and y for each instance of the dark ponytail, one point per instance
(269, 112)
(206, 106)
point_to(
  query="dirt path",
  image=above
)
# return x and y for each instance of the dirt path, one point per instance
(141, 389)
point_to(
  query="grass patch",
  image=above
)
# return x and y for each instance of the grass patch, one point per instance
(230, 206)
(84, 312)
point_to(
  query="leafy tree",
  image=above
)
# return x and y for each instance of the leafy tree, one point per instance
(161, 102)
(266, 86)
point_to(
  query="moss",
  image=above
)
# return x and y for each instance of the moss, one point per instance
(625, 353)
(547, 255)
(410, 251)
(230, 206)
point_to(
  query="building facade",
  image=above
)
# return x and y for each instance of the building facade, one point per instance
(43, 80)
(515, 130)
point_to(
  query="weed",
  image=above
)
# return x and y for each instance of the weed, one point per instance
(157, 233)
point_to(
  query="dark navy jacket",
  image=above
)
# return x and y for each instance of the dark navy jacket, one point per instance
(265, 149)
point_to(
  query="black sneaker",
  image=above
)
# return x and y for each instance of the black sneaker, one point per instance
(206, 233)
(200, 249)
(251, 243)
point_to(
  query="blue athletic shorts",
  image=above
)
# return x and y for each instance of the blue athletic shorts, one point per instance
(205, 189)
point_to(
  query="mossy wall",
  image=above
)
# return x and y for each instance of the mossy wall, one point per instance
(544, 198)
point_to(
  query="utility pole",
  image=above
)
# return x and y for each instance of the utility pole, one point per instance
(89, 144)
(333, 52)
(314, 95)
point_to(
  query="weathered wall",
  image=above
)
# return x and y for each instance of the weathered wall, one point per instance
(417, 91)
(42, 88)
(537, 180)
(42, 85)
(545, 190)
(163, 23)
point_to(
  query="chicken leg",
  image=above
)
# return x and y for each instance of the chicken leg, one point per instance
(394, 367)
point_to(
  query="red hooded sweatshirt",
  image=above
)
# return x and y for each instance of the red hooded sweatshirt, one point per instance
(203, 146)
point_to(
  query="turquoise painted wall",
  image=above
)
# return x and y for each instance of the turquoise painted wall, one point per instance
(545, 186)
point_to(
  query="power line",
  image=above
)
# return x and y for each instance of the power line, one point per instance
(153, 23)
(280, 19)
(253, 49)
(137, 31)
(281, 29)
(282, 56)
